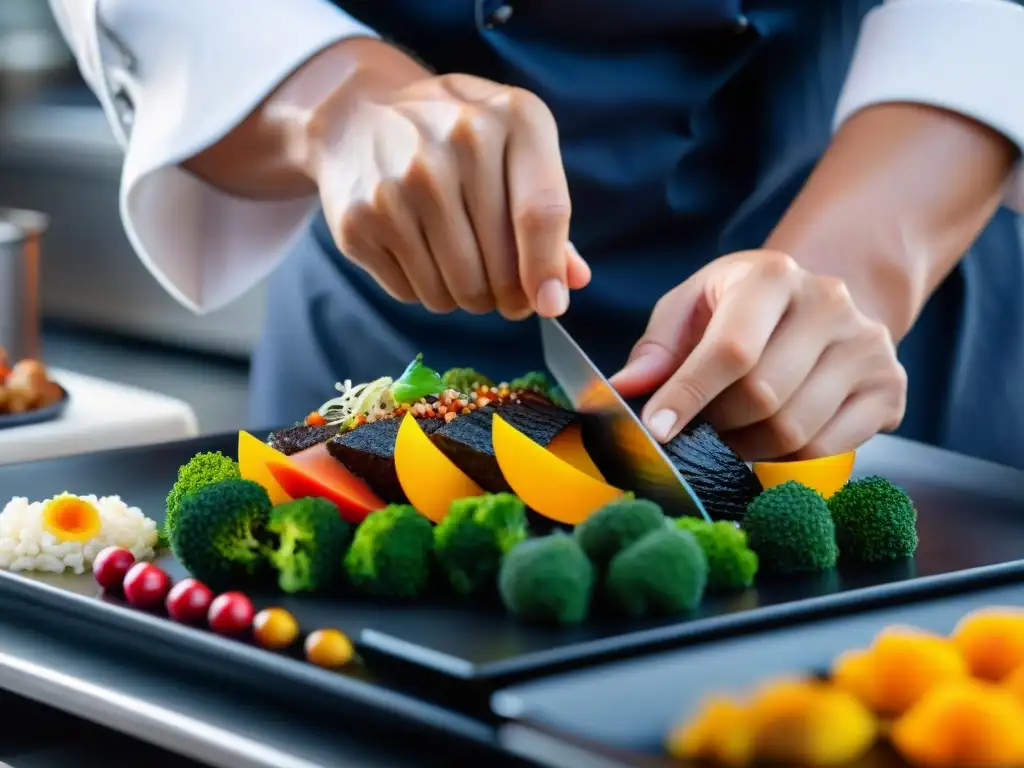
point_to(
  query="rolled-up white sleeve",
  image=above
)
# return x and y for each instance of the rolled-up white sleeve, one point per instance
(175, 77)
(966, 56)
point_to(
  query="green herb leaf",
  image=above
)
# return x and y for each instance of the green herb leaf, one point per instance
(417, 381)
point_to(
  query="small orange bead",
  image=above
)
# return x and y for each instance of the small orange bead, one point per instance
(329, 648)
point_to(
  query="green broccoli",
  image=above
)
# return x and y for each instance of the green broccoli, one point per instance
(221, 531)
(791, 530)
(202, 469)
(731, 563)
(617, 525)
(663, 572)
(391, 553)
(473, 537)
(547, 580)
(875, 520)
(311, 540)
(465, 380)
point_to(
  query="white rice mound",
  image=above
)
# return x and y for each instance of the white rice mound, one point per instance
(26, 546)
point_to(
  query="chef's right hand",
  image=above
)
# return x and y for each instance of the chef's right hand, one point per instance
(450, 191)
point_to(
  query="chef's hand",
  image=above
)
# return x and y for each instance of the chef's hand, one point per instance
(450, 191)
(778, 359)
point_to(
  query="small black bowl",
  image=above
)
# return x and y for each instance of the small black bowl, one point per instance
(37, 416)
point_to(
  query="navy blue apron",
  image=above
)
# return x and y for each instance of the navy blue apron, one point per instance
(687, 128)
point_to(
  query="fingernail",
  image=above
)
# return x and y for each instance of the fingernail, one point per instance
(661, 424)
(553, 298)
(572, 249)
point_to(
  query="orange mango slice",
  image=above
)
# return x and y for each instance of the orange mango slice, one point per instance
(568, 446)
(900, 667)
(547, 484)
(992, 641)
(430, 480)
(826, 475)
(966, 724)
(254, 456)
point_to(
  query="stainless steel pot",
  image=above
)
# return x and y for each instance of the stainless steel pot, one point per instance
(21, 234)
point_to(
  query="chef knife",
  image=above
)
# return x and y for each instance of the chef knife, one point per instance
(618, 442)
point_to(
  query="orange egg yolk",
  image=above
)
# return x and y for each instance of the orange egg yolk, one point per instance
(70, 518)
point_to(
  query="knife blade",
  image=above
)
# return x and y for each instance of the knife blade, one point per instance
(616, 439)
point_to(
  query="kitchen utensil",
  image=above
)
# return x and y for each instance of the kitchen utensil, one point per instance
(21, 234)
(620, 445)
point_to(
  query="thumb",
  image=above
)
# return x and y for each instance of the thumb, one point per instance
(676, 326)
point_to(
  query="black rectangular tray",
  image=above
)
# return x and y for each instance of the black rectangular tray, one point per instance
(972, 515)
(618, 714)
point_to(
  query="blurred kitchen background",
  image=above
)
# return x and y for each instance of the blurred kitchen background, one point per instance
(103, 314)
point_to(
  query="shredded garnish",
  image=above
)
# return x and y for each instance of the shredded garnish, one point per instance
(371, 400)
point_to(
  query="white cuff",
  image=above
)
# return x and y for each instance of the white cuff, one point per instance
(201, 68)
(966, 56)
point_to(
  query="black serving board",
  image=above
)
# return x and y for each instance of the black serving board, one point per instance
(972, 521)
(618, 714)
(37, 415)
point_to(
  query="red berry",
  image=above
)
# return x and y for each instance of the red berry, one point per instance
(231, 613)
(111, 566)
(146, 586)
(188, 601)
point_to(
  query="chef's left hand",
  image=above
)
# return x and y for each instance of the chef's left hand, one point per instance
(780, 360)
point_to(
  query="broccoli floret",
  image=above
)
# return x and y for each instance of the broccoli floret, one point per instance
(617, 525)
(731, 563)
(547, 580)
(221, 531)
(663, 572)
(791, 530)
(201, 470)
(465, 380)
(391, 553)
(311, 539)
(875, 520)
(473, 537)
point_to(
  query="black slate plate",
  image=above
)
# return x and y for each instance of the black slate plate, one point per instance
(38, 416)
(618, 714)
(971, 521)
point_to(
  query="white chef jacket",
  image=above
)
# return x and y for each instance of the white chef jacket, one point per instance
(175, 76)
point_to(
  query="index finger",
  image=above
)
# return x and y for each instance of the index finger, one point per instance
(538, 196)
(735, 337)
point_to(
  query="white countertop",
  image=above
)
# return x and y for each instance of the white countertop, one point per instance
(100, 415)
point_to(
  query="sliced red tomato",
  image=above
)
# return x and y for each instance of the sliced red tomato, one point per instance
(314, 472)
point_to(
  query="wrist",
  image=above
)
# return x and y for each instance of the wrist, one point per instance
(314, 106)
(884, 275)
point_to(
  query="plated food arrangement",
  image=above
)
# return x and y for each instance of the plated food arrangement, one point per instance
(452, 486)
(939, 701)
(25, 386)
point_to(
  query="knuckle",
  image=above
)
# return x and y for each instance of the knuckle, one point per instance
(789, 436)
(547, 209)
(762, 402)
(521, 101)
(833, 293)
(777, 265)
(735, 356)
(352, 228)
(877, 334)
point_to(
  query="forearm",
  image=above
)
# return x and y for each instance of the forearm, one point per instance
(269, 155)
(894, 204)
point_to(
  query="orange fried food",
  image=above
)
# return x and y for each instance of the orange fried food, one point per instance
(720, 733)
(962, 724)
(803, 722)
(810, 722)
(992, 641)
(901, 666)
